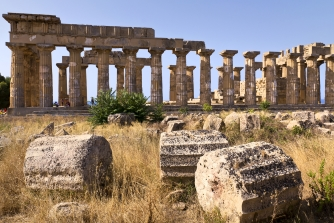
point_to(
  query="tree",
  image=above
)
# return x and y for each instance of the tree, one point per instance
(4, 91)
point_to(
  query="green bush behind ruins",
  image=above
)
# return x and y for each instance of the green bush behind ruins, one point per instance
(4, 91)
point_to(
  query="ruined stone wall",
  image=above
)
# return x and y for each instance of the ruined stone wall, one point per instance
(260, 88)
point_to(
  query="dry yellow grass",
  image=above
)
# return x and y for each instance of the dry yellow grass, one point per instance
(138, 195)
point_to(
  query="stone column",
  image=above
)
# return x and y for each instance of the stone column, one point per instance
(27, 76)
(34, 71)
(284, 70)
(302, 78)
(220, 77)
(156, 75)
(16, 97)
(292, 82)
(320, 61)
(181, 76)
(103, 68)
(130, 68)
(83, 83)
(190, 81)
(250, 81)
(172, 83)
(205, 76)
(120, 77)
(45, 75)
(271, 76)
(75, 97)
(228, 79)
(329, 81)
(62, 80)
(236, 74)
(311, 86)
(139, 78)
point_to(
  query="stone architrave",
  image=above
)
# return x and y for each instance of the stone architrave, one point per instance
(181, 76)
(16, 97)
(228, 78)
(236, 75)
(83, 83)
(75, 97)
(311, 86)
(130, 68)
(103, 68)
(292, 82)
(34, 70)
(45, 75)
(329, 80)
(302, 78)
(320, 61)
(205, 75)
(139, 78)
(120, 77)
(156, 75)
(220, 77)
(172, 83)
(250, 81)
(62, 80)
(190, 81)
(271, 76)
(27, 76)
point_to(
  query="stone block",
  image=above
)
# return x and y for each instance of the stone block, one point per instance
(69, 212)
(169, 118)
(249, 122)
(181, 150)
(212, 122)
(282, 116)
(48, 130)
(323, 130)
(323, 117)
(248, 183)
(294, 123)
(329, 125)
(121, 118)
(67, 162)
(175, 125)
(303, 116)
(233, 118)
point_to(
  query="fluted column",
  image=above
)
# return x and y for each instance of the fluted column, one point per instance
(130, 68)
(320, 61)
(45, 75)
(172, 83)
(250, 81)
(181, 76)
(292, 82)
(139, 78)
(190, 81)
(62, 83)
(34, 71)
(301, 63)
(103, 68)
(220, 77)
(271, 76)
(75, 97)
(205, 75)
(83, 83)
(329, 80)
(311, 85)
(27, 76)
(16, 97)
(228, 79)
(120, 77)
(236, 74)
(156, 75)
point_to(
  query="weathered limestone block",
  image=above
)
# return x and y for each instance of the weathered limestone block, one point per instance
(282, 116)
(67, 162)
(212, 122)
(303, 124)
(61, 132)
(323, 130)
(169, 118)
(248, 182)
(48, 130)
(181, 150)
(249, 122)
(324, 116)
(233, 118)
(69, 212)
(175, 125)
(303, 116)
(121, 118)
(329, 125)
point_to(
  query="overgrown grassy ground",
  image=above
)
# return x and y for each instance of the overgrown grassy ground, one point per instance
(138, 195)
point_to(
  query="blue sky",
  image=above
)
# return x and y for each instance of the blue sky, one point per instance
(236, 25)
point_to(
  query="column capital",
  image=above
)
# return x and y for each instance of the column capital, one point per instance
(190, 68)
(74, 48)
(251, 54)
(156, 50)
(311, 56)
(205, 52)
(172, 67)
(13, 46)
(221, 68)
(130, 50)
(84, 66)
(120, 66)
(329, 57)
(62, 65)
(181, 51)
(140, 67)
(45, 46)
(271, 54)
(228, 53)
(293, 55)
(238, 69)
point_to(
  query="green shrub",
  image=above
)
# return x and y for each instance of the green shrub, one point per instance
(4, 91)
(108, 103)
(183, 110)
(297, 130)
(264, 105)
(207, 107)
(322, 187)
(157, 114)
(214, 216)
